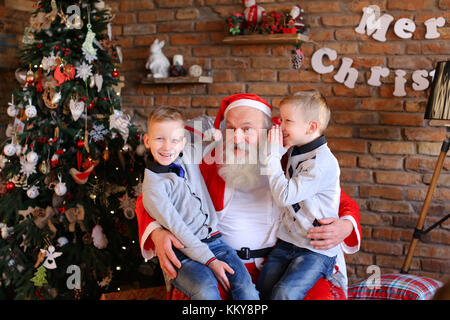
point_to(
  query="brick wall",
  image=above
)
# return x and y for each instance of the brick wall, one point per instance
(386, 150)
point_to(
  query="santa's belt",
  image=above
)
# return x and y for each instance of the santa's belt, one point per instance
(246, 254)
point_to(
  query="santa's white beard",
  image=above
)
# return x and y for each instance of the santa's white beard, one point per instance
(242, 176)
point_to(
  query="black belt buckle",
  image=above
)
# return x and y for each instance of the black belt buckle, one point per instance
(244, 253)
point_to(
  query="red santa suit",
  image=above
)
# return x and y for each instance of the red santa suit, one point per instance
(249, 218)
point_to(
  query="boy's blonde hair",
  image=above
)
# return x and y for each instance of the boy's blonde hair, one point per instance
(164, 114)
(312, 105)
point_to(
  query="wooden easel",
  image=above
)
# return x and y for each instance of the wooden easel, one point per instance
(418, 231)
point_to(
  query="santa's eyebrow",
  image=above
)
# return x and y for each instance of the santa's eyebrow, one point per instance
(248, 123)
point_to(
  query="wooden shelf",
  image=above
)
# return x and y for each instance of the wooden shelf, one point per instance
(266, 38)
(175, 80)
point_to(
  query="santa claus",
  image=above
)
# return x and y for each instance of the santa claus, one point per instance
(248, 216)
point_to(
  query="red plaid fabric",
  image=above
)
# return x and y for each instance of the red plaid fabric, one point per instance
(395, 287)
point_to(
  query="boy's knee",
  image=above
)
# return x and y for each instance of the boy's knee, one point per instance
(206, 293)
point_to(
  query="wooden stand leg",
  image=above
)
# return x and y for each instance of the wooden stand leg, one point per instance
(426, 205)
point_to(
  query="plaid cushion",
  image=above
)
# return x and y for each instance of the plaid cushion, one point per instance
(395, 287)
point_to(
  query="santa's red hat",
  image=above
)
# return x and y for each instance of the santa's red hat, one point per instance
(241, 100)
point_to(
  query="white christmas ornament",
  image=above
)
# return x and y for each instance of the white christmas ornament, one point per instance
(195, 70)
(33, 192)
(84, 71)
(27, 168)
(30, 111)
(5, 230)
(253, 13)
(98, 78)
(60, 188)
(32, 157)
(62, 241)
(50, 257)
(121, 122)
(9, 150)
(98, 237)
(76, 108)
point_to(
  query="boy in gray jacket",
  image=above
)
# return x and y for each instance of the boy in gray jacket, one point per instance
(308, 192)
(175, 195)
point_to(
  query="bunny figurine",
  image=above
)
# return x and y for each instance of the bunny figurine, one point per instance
(157, 62)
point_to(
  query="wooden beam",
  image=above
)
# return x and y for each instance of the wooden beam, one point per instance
(21, 5)
(169, 80)
(267, 38)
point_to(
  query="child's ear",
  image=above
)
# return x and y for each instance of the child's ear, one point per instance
(183, 141)
(146, 141)
(313, 127)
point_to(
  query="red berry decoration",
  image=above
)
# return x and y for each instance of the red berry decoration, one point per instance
(80, 144)
(10, 186)
(115, 74)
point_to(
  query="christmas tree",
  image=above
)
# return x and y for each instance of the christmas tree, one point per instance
(72, 164)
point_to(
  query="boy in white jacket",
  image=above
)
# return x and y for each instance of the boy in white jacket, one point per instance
(307, 192)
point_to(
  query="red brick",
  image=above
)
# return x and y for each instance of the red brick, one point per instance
(138, 29)
(268, 89)
(187, 14)
(381, 48)
(444, 4)
(173, 3)
(347, 145)
(390, 206)
(124, 18)
(354, 117)
(188, 38)
(153, 16)
(401, 119)
(392, 147)
(381, 247)
(380, 162)
(397, 178)
(250, 51)
(206, 101)
(341, 20)
(271, 63)
(381, 104)
(173, 101)
(424, 164)
(135, 5)
(206, 26)
(230, 63)
(425, 134)
(256, 75)
(380, 133)
(384, 192)
(177, 26)
(333, 131)
(345, 159)
(226, 88)
(411, 63)
(355, 175)
(411, 5)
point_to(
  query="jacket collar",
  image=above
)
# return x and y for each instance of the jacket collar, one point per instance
(155, 167)
(309, 146)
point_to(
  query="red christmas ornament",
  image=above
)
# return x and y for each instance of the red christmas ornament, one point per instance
(59, 152)
(115, 74)
(80, 144)
(91, 105)
(10, 186)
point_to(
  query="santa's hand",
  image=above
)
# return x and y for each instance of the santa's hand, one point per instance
(220, 268)
(164, 240)
(330, 234)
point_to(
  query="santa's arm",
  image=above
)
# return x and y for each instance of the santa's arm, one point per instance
(349, 210)
(146, 224)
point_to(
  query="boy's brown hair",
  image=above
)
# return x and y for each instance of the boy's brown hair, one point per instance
(312, 105)
(164, 114)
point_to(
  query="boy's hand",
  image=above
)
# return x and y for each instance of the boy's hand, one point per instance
(275, 135)
(219, 268)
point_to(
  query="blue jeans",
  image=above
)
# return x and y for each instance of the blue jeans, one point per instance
(198, 282)
(290, 271)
